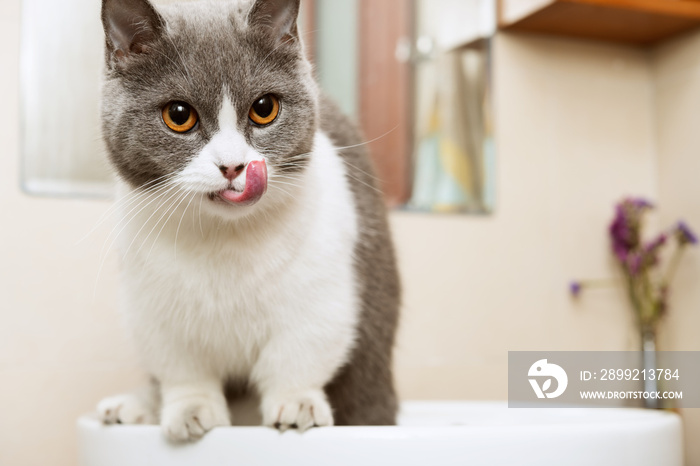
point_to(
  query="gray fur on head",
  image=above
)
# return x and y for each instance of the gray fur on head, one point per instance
(200, 54)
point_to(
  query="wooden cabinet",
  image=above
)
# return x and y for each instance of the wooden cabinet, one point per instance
(641, 22)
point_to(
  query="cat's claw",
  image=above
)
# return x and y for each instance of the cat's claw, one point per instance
(300, 411)
(125, 409)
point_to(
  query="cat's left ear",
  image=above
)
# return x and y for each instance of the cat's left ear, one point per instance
(279, 16)
(131, 27)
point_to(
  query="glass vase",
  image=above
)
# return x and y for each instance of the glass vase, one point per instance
(649, 366)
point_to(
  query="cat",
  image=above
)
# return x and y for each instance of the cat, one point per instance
(256, 252)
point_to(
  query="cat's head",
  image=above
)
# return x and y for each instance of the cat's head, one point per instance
(209, 99)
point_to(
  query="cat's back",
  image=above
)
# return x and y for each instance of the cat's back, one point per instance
(353, 150)
(362, 392)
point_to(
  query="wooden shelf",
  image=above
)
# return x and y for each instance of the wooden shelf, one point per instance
(640, 22)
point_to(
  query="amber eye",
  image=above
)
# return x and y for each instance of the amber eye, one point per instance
(264, 110)
(179, 116)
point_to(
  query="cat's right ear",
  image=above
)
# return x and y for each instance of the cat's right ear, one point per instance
(131, 28)
(279, 17)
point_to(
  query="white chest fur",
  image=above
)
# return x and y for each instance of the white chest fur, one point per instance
(206, 298)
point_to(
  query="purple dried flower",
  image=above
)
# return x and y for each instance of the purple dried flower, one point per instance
(649, 293)
(650, 254)
(575, 288)
(685, 235)
(624, 229)
(652, 246)
(620, 234)
(638, 260)
(640, 203)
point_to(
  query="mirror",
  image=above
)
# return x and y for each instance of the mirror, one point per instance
(454, 153)
(417, 76)
(61, 58)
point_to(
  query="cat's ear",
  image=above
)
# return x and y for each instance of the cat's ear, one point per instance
(278, 16)
(131, 27)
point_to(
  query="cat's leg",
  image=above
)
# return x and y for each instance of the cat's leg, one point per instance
(362, 392)
(290, 376)
(138, 407)
(192, 407)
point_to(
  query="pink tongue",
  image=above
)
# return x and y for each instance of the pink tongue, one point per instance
(255, 185)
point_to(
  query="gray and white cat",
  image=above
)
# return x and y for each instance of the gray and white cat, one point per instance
(256, 251)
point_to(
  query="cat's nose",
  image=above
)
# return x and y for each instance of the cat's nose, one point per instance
(231, 173)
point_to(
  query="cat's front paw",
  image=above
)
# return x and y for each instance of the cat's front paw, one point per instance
(297, 411)
(125, 409)
(189, 419)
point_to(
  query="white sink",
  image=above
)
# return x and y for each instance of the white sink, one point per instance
(429, 433)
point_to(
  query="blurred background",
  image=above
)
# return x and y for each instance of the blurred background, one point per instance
(503, 133)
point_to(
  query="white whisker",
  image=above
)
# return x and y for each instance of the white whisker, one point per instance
(371, 140)
(283, 190)
(160, 190)
(362, 171)
(176, 195)
(288, 184)
(201, 230)
(131, 196)
(177, 233)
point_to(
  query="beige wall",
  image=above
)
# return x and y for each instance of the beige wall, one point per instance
(576, 131)
(676, 66)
